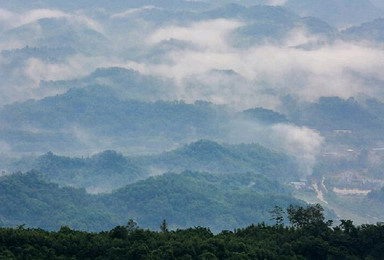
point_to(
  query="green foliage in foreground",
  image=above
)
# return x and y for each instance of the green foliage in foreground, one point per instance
(309, 238)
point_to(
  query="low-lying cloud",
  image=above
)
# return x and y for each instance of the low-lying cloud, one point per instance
(326, 70)
(24, 81)
(207, 35)
(302, 143)
(209, 67)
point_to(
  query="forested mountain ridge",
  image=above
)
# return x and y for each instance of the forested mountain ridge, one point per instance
(124, 83)
(186, 199)
(28, 199)
(94, 116)
(110, 170)
(205, 155)
(100, 173)
(191, 199)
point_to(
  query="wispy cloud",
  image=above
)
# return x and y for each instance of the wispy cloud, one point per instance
(208, 35)
(13, 20)
(131, 11)
(302, 143)
(327, 70)
(208, 66)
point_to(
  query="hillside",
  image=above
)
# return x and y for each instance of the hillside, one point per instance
(95, 118)
(124, 83)
(28, 199)
(110, 170)
(209, 156)
(195, 199)
(187, 199)
(100, 173)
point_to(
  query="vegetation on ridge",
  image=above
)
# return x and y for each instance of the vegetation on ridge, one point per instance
(309, 237)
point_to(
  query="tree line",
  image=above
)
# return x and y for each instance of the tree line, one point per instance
(306, 236)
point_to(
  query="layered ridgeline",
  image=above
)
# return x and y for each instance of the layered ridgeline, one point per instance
(95, 118)
(187, 199)
(90, 118)
(125, 116)
(239, 187)
(102, 172)
(209, 156)
(61, 53)
(110, 170)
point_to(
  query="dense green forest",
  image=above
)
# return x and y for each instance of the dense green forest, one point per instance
(308, 236)
(27, 199)
(188, 199)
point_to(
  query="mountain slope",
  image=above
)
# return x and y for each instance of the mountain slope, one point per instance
(125, 83)
(94, 118)
(338, 13)
(212, 157)
(199, 199)
(100, 173)
(109, 170)
(187, 199)
(28, 199)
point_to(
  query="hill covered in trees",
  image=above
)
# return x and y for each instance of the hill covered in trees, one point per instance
(102, 172)
(110, 170)
(27, 199)
(188, 199)
(95, 116)
(209, 156)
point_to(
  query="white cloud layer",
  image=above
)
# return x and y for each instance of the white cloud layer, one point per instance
(209, 35)
(328, 70)
(209, 68)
